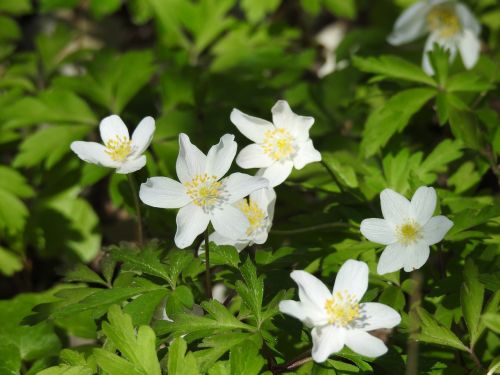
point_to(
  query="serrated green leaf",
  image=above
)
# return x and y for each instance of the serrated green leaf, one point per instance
(393, 67)
(180, 363)
(83, 273)
(252, 290)
(434, 333)
(393, 117)
(471, 298)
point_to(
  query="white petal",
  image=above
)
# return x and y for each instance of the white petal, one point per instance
(306, 154)
(423, 204)
(467, 19)
(132, 165)
(392, 258)
(284, 117)
(251, 127)
(410, 25)
(395, 207)
(352, 278)
(229, 222)
(240, 185)
(94, 153)
(253, 156)
(435, 229)
(312, 291)
(326, 341)
(469, 46)
(416, 256)
(365, 344)
(277, 172)
(111, 127)
(191, 162)
(266, 200)
(191, 221)
(377, 315)
(301, 311)
(142, 135)
(163, 192)
(221, 156)
(378, 231)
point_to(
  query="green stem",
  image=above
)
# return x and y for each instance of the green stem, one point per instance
(309, 229)
(332, 175)
(208, 275)
(131, 182)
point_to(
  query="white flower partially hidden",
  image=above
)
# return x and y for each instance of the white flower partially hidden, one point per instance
(279, 146)
(119, 151)
(408, 229)
(450, 24)
(337, 318)
(202, 194)
(259, 210)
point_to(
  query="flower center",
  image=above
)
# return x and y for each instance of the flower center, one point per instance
(342, 309)
(254, 215)
(205, 190)
(118, 148)
(443, 20)
(409, 232)
(279, 144)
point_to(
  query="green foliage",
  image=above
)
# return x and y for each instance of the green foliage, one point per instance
(71, 269)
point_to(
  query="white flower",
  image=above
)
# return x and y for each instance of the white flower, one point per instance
(330, 38)
(408, 229)
(259, 210)
(279, 146)
(202, 194)
(119, 150)
(337, 317)
(450, 24)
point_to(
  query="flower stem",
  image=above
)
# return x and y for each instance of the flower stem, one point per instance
(309, 229)
(415, 301)
(208, 274)
(332, 175)
(131, 182)
(287, 367)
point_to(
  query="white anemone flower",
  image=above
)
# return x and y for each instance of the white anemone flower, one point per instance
(119, 151)
(338, 318)
(450, 24)
(279, 146)
(408, 229)
(259, 210)
(202, 195)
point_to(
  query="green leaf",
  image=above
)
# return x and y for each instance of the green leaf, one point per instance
(83, 273)
(245, 359)
(10, 263)
(115, 365)
(224, 255)
(49, 144)
(393, 67)
(143, 262)
(394, 297)
(344, 172)
(434, 333)
(467, 82)
(142, 308)
(255, 10)
(140, 348)
(464, 126)
(14, 182)
(252, 290)
(392, 117)
(179, 300)
(471, 298)
(13, 212)
(101, 8)
(439, 58)
(180, 363)
(16, 7)
(53, 106)
(442, 155)
(492, 321)
(342, 8)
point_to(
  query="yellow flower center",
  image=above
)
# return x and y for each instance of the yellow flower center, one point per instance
(342, 309)
(443, 20)
(254, 215)
(204, 190)
(119, 148)
(278, 144)
(409, 232)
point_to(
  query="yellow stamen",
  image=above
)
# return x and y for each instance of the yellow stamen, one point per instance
(342, 309)
(204, 190)
(278, 144)
(409, 232)
(254, 215)
(443, 20)
(119, 148)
